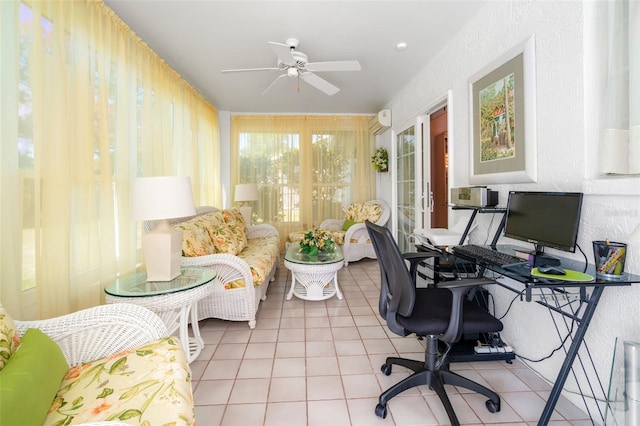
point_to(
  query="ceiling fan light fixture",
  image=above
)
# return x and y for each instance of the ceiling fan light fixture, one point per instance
(297, 65)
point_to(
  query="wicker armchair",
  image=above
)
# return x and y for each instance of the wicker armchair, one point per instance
(357, 244)
(100, 331)
(118, 352)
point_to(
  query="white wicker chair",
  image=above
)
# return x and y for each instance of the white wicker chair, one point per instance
(357, 244)
(100, 331)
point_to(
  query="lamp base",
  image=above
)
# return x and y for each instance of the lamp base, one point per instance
(246, 213)
(162, 249)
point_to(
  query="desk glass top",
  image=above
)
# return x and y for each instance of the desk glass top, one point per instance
(294, 255)
(136, 285)
(576, 265)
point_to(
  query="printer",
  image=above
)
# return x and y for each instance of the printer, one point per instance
(474, 196)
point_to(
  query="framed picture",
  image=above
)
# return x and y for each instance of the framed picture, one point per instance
(503, 127)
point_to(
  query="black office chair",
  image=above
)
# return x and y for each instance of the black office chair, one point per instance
(440, 313)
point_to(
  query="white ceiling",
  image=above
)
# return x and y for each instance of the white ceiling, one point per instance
(200, 38)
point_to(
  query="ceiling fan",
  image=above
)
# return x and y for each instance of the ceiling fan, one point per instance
(296, 65)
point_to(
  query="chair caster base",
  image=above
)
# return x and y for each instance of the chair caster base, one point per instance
(381, 410)
(492, 406)
(386, 369)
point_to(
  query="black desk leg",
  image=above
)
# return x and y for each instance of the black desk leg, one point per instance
(571, 355)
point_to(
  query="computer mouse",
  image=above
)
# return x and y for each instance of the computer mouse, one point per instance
(552, 270)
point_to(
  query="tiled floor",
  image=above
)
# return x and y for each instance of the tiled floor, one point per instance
(318, 363)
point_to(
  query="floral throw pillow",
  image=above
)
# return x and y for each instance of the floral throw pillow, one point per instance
(196, 237)
(359, 212)
(237, 225)
(224, 240)
(9, 339)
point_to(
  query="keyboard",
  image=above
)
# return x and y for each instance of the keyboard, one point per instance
(487, 255)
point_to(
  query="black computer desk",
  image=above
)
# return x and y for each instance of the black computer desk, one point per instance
(575, 301)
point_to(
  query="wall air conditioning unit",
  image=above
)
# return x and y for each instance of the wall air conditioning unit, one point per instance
(380, 122)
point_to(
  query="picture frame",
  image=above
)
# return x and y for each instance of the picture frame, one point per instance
(502, 100)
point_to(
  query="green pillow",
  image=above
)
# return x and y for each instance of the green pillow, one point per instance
(348, 223)
(30, 379)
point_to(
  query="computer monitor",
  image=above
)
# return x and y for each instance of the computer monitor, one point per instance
(545, 219)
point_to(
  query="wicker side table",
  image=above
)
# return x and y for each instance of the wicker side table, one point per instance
(313, 277)
(175, 301)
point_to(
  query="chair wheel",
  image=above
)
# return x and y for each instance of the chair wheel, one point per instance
(492, 406)
(386, 369)
(381, 411)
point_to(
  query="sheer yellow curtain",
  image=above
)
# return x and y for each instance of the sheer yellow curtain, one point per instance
(86, 107)
(308, 168)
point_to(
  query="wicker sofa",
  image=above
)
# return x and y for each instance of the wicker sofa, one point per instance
(350, 232)
(111, 363)
(239, 254)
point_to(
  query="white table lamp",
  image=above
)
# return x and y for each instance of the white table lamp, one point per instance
(246, 192)
(161, 198)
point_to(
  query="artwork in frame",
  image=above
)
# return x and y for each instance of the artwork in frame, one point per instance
(503, 127)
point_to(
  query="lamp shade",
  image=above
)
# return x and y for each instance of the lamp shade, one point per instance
(162, 197)
(246, 192)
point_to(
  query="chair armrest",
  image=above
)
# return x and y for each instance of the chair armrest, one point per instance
(414, 259)
(358, 232)
(228, 268)
(262, 230)
(332, 224)
(459, 288)
(100, 331)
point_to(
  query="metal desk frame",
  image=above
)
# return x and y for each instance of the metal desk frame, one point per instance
(578, 307)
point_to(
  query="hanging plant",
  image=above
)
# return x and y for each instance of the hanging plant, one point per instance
(380, 160)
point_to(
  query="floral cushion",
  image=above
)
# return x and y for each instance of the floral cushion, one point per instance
(261, 254)
(196, 238)
(237, 225)
(224, 240)
(359, 212)
(149, 385)
(9, 339)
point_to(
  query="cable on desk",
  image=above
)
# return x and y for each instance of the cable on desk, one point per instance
(564, 340)
(586, 261)
(516, 297)
(486, 240)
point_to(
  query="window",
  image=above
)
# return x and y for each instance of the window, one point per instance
(308, 168)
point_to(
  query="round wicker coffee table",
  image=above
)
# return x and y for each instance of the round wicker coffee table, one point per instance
(175, 301)
(313, 277)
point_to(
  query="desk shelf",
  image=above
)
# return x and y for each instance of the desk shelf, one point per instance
(463, 351)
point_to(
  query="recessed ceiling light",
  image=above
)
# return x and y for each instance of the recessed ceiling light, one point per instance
(401, 46)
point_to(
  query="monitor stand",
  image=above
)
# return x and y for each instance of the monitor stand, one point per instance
(541, 259)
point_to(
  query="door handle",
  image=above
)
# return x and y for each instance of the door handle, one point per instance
(429, 199)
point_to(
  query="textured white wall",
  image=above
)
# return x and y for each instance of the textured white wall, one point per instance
(567, 102)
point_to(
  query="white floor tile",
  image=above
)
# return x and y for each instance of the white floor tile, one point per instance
(318, 363)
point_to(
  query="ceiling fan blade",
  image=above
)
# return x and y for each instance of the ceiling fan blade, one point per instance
(251, 69)
(283, 52)
(334, 66)
(319, 83)
(280, 77)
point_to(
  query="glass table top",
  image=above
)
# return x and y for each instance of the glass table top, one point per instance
(294, 255)
(136, 285)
